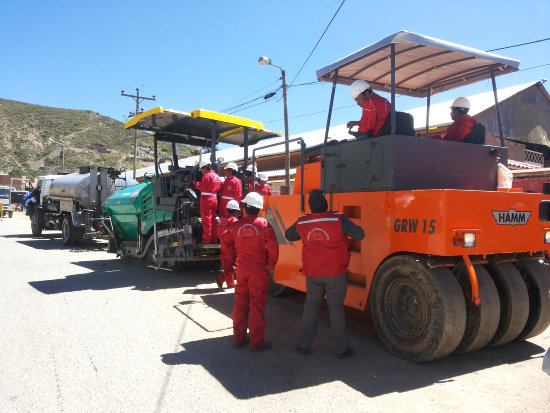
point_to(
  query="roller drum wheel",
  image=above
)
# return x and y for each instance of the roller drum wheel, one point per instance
(419, 313)
(514, 302)
(481, 320)
(537, 280)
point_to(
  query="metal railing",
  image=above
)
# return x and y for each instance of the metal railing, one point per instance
(533, 157)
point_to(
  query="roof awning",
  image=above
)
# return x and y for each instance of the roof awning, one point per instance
(421, 63)
(195, 128)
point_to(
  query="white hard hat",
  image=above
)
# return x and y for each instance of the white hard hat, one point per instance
(249, 168)
(234, 205)
(202, 164)
(461, 103)
(232, 165)
(262, 177)
(358, 87)
(254, 199)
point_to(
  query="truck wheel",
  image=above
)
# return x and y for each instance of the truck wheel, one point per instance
(514, 302)
(481, 320)
(36, 222)
(10, 214)
(419, 313)
(537, 279)
(67, 233)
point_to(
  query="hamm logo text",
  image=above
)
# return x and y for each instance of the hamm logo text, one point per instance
(511, 217)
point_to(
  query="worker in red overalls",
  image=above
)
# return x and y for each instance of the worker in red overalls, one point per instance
(261, 186)
(325, 257)
(209, 186)
(257, 253)
(462, 122)
(376, 109)
(227, 250)
(231, 188)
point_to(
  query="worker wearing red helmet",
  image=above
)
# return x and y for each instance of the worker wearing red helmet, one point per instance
(232, 189)
(462, 122)
(209, 186)
(376, 109)
(325, 258)
(257, 253)
(227, 250)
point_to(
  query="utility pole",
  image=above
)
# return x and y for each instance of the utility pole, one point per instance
(138, 100)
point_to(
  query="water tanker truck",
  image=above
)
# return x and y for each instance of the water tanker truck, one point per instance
(73, 203)
(158, 222)
(452, 261)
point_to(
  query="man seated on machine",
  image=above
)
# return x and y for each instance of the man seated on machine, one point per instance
(376, 109)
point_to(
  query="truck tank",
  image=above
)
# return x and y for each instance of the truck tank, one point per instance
(77, 187)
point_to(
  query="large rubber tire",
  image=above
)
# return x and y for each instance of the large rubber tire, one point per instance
(67, 231)
(514, 302)
(419, 313)
(10, 214)
(537, 279)
(36, 222)
(481, 320)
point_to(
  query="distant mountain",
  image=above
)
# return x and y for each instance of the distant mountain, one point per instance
(89, 139)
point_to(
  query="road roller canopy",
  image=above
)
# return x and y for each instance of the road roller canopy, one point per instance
(199, 127)
(423, 65)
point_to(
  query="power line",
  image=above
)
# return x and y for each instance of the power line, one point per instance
(138, 100)
(236, 104)
(517, 45)
(318, 41)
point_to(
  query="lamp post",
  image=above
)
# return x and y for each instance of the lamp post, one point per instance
(62, 153)
(266, 61)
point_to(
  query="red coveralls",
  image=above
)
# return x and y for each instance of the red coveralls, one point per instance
(257, 247)
(325, 248)
(459, 129)
(227, 248)
(263, 190)
(231, 189)
(375, 112)
(209, 186)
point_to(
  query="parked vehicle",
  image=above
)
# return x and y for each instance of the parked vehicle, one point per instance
(7, 206)
(73, 203)
(450, 261)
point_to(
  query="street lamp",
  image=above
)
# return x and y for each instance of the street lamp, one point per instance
(62, 153)
(266, 61)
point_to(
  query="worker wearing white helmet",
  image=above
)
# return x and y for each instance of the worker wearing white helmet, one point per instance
(462, 122)
(376, 109)
(261, 186)
(232, 189)
(227, 253)
(209, 186)
(257, 253)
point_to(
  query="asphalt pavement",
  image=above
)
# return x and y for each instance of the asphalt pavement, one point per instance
(82, 331)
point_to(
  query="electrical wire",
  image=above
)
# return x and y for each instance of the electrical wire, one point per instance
(318, 41)
(517, 45)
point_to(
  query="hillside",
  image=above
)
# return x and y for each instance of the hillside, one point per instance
(89, 138)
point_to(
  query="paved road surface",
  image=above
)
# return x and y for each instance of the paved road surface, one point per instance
(83, 332)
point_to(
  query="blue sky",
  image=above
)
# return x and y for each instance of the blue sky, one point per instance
(203, 54)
